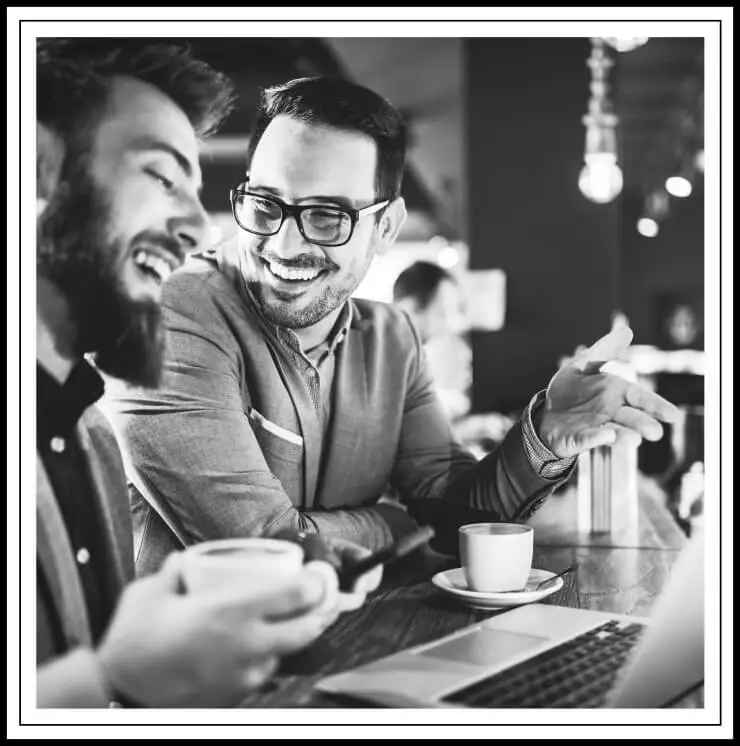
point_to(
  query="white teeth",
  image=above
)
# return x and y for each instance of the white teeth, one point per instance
(293, 273)
(159, 266)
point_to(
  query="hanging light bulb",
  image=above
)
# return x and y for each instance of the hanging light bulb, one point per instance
(625, 44)
(647, 227)
(601, 178)
(678, 186)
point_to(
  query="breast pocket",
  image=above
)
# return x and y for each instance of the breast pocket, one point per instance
(278, 444)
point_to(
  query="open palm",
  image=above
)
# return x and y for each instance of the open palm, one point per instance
(585, 407)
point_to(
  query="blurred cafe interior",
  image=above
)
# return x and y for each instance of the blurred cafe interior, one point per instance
(559, 182)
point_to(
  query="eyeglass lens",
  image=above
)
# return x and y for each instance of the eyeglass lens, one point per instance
(264, 216)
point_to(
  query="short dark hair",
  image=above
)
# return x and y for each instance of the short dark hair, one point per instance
(339, 103)
(74, 76)
(420, 281)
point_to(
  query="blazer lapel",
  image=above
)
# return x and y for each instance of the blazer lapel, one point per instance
(57, 561)
(109, 486)
(228, 258)
(350, 395)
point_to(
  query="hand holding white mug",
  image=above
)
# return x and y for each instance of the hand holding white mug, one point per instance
(166, 648)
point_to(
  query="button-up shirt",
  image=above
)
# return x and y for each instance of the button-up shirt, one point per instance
(58, 408)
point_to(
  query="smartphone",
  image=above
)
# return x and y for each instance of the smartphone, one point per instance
(392, 552)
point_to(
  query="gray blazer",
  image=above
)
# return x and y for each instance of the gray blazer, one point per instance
(69, 677)
(231, 445)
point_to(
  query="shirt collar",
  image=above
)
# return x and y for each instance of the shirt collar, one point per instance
(337, 335)
(62, 405)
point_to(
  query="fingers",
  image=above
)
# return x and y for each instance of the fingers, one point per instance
(306, 591)
(650, 402)
(639, 422)
(347, 552)
(625, 436)
(607, 348)
(259, 671)
(350, 601)
(593, 437)
(363, 585)
(368, 582)
(288, 622)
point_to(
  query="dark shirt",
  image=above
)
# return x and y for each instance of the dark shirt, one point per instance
(58, 409)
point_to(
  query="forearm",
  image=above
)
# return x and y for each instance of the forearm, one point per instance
(371, 527)
(216, 500)
(502, 487)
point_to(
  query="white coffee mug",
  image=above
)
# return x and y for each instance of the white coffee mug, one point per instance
(496, 557)
(254, 563)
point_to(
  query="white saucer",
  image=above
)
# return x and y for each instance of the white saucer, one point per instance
(454, 583)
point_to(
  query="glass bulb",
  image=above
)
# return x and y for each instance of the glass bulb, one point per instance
(647, 227)
(626, 44)
(678, 186)
(601, 178)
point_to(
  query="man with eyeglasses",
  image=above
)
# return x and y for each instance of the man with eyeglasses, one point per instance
(287, 404)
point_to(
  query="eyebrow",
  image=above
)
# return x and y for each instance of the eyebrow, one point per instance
(161, 145)
(338, 200)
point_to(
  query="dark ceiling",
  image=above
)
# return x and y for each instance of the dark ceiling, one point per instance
(657, 91)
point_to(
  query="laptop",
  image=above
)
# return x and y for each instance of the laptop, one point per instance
(551, 656)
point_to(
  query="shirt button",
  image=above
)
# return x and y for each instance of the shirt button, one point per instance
(83, 556)
(57, 444)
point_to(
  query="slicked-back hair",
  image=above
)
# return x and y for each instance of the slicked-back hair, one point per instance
(74, 75)
(339, 103)
(420, 281)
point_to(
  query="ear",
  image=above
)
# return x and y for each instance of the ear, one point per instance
(394, 216)
(49, 158)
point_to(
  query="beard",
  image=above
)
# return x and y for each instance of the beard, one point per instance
(74, 253)
(282, 314)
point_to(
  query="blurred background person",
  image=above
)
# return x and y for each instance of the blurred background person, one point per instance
(433, 298)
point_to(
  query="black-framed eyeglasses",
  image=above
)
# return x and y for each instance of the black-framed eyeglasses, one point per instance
(324, 225)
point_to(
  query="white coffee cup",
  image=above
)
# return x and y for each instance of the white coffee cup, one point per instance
(496, 557)
(255, 563)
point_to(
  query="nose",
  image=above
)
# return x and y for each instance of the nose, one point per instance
(190, 226)
(288, 241)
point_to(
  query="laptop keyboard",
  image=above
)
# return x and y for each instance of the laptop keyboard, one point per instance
(578, 673)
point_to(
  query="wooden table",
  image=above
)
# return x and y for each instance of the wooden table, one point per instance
(408, 610)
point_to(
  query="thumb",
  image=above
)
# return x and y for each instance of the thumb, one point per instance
(607, 348)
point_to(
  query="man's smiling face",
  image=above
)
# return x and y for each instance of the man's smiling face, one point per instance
(120, 222)
(295, 282)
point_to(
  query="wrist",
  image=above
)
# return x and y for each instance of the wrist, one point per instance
(109, 679)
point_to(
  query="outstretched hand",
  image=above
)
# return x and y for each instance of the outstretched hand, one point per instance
(586, 408)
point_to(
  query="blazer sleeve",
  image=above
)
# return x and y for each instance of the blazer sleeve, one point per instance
(75, 679)
(190, 442)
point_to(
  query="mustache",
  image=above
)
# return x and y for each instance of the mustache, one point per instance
(304, 261)
(162, 241)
